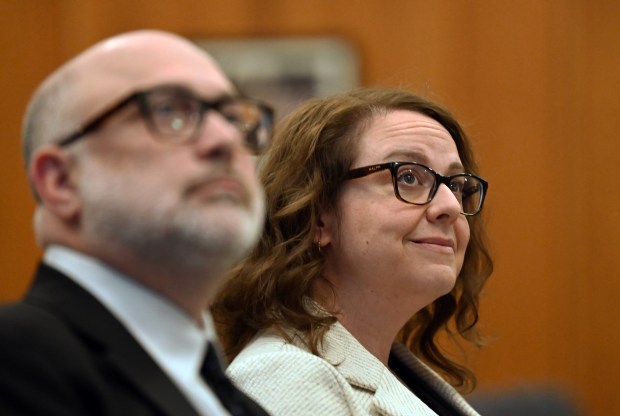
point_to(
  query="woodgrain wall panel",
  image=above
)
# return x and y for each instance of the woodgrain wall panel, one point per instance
(535, 83)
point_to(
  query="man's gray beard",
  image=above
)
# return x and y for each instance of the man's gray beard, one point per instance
(185, 241)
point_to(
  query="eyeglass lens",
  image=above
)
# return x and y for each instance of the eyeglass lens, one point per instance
(416, 184)
(177, 115)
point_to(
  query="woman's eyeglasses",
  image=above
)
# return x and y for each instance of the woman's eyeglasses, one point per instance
(417, 184)
(175, 114)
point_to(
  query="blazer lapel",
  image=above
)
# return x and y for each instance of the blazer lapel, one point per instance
(97, 326)
(394, 399)
(435, 391)
(363, 370)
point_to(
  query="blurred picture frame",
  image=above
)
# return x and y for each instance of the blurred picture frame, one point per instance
(287, 71)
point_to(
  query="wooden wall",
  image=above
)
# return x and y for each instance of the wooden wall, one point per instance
(535, 82)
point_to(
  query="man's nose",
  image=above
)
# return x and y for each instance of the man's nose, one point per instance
(218, 136)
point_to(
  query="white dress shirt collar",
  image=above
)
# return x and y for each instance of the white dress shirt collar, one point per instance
(171, 337)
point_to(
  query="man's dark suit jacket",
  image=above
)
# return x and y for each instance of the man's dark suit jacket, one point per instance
(63, 353)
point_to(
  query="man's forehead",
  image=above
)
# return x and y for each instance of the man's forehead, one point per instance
(143, 60)
(114, 68)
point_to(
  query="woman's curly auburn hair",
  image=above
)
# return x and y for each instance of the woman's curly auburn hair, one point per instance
(311, 153)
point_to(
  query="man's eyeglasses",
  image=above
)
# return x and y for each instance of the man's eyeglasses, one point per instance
(417, 184)
(175, 114)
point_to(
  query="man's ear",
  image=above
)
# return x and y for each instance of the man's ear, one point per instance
(52, 176)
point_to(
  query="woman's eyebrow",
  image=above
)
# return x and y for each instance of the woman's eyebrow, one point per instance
(411, 155)
(456, 166)
(408, 155)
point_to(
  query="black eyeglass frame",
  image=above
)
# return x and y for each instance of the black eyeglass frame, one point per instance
(439, 179)
(141, 98)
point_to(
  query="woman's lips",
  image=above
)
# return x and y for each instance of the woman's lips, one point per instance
(436, 243)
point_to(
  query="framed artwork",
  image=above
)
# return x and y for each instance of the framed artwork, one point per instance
(285, 72)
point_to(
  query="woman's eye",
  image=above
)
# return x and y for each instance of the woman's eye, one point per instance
(456, 187)
(408, 178)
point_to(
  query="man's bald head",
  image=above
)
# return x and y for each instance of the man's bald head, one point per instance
(109, 70)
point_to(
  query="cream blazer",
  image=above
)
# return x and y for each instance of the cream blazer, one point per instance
(346, 379)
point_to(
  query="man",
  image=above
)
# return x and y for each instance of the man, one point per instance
(140, 154)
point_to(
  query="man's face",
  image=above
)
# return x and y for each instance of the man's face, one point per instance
(193, 202)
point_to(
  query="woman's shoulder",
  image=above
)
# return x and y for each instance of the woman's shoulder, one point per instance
(286, 378)
(269, 351)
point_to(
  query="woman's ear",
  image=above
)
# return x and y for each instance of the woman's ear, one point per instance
(325, 228)
(318, 233)
(51, 174)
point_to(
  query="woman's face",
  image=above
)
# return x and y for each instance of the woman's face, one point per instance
(381, 250)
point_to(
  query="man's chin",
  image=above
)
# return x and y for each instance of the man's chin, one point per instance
(231, 224)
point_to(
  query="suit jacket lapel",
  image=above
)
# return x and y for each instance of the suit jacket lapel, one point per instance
(363, 370)
(97, 325)
(392, 398)
(436, 392)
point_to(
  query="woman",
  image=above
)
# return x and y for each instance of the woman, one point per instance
(372, 250)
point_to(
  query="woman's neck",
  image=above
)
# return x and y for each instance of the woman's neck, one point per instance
(368, 318)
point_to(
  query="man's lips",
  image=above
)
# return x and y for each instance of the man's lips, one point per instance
(219, 186)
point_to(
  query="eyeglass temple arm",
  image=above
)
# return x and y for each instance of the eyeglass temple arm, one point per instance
(365, 171)
(94, 124)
